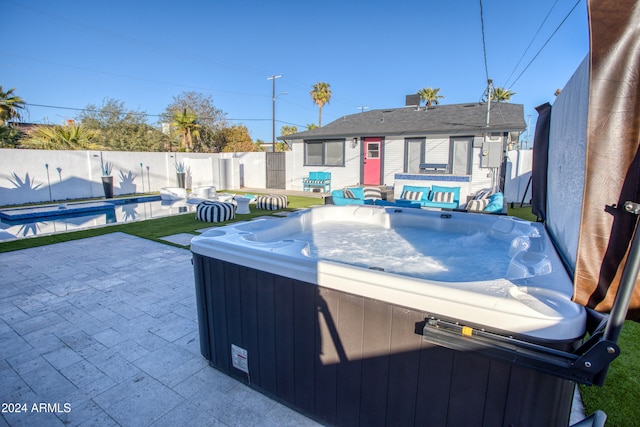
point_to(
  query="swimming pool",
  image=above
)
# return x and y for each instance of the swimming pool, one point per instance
(19, 223)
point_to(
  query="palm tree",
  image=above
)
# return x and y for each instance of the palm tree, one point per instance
(10, 106)
(501, 94)
(320, 94)
(430, 95)
(67, 137)
(187, 124)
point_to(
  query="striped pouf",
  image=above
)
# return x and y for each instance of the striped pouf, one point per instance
(215, 211)
(271, 202)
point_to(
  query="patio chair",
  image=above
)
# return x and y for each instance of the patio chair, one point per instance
(173, 193)
(208, 193)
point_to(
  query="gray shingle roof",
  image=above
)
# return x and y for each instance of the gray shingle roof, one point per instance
(449, 119)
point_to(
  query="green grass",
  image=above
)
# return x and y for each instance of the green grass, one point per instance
(618, 398)
(522, 212)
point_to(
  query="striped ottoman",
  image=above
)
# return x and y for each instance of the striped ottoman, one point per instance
(215, 211)
(271, 202)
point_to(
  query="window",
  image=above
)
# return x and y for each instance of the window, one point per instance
(324, 153)
(438, 155)
(373, 150)
(414, 154)
(461, 152)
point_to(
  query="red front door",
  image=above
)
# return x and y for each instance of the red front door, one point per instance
(372, 160)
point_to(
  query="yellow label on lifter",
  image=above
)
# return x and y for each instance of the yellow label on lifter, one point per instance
(467, 331)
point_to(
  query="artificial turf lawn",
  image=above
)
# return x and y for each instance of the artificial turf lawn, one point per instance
(619, 398)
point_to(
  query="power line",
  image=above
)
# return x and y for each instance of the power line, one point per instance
(545, 43)
(531, 42)
(143, 114)
(484, 45)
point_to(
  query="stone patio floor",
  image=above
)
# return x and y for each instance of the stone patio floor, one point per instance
(105, 331)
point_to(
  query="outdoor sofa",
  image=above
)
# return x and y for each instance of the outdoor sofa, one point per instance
(435, 196)
(365, 196)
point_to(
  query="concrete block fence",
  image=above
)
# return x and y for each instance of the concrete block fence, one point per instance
(32, 176)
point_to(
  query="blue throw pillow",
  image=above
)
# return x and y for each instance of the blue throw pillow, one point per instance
(495, 203)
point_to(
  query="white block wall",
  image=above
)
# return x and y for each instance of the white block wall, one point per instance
(32, 176)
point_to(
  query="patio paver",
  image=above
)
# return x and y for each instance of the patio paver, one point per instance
(183, 239)
(108, 325)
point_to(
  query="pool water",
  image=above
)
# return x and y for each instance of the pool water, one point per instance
(123, 212)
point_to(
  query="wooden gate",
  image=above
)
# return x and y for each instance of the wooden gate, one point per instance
(276, 170)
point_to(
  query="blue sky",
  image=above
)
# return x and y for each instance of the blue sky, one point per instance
(71, 53)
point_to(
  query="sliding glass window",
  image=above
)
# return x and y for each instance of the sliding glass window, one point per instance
(324, 153)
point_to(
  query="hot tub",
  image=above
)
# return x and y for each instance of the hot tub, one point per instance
(325, 311)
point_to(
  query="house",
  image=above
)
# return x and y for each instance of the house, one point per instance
(438, 145)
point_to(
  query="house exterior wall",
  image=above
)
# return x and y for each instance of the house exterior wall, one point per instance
(480, 177)
(341, 176)
(437, 150)
(393, 159)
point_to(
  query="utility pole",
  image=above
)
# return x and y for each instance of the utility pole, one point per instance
(273, 110)
(489, 87)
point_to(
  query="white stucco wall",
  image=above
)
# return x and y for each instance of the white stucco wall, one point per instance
(77, 174)
(518, 173)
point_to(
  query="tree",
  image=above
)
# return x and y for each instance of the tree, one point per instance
(67, 137)
(10, 136)
(210, 118)
(122, 129)
(320, 94)
(430, 95)
(186, 122)
(11, 106)
(500, 94)
(312, 126)
(286, 130)
(236, 138)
